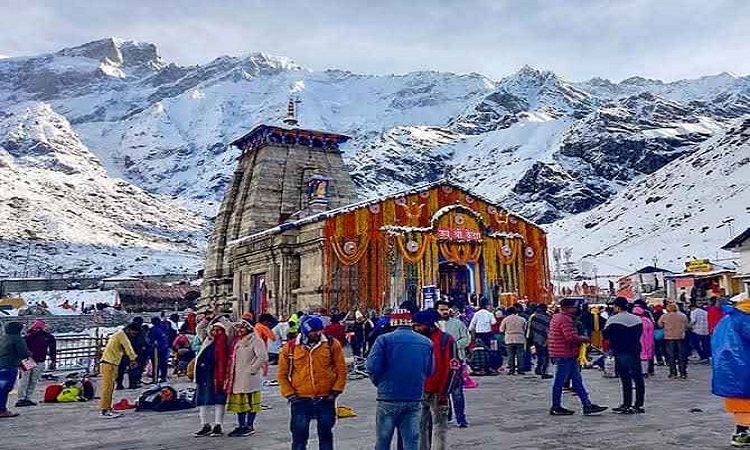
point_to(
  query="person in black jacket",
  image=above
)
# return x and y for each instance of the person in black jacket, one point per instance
(13, 350)
(623, 331)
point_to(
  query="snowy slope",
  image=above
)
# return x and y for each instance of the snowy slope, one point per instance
(146, 139)
(674, 214)
(54, 192)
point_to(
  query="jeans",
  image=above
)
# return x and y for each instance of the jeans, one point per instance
(433, 426)
(7, 381)
(567, 368)
(458, 399)
(515, 357)
(629, 370)
(306, 409)
(246, 420)
(703, 343)
(525, 365)
(29, 380)
(542, 359)
(659, 351)
(160, 362)
(402, 416)
(677, 354)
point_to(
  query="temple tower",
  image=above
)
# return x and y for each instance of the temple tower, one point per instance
(283, 173)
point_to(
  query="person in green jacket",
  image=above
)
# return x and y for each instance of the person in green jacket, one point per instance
(13, 350)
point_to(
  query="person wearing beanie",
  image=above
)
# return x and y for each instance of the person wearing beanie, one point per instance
(13, 350)
(564, 343)
(731, 367)
(311, 375)
(675, 325)
(244, 380)
(442, 381)
(361, 329)
(659, 348)
(211, 367)
(41, 345)
(399, 364)
(624, 331)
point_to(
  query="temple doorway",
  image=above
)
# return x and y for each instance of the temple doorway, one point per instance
(455, 281)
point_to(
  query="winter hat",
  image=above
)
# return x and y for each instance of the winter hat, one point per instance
(246, 324)
(426, 317)
(568, 303)
(189, 311)
(13, 328)
(638, 311)
(309, 324)
(38, 325)
(659, 308)
(400, 318)
(219, 325)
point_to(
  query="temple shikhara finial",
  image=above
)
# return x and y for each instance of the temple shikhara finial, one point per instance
(291, 118)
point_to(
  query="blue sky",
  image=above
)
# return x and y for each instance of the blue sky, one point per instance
(664, 39)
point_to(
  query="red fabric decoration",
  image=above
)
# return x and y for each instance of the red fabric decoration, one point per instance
(221, 355)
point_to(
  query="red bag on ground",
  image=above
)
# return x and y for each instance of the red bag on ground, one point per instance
(51, 393)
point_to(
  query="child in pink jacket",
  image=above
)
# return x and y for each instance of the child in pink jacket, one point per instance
(647, 339)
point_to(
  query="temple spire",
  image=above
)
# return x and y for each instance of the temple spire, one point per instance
(291, 119)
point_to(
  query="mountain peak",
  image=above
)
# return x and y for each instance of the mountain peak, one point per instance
(122, 52)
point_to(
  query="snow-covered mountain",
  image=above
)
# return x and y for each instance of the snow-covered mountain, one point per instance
(548, 148)
(677, 213)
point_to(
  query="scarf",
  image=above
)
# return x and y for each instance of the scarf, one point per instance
(191, 323)
(221, 359)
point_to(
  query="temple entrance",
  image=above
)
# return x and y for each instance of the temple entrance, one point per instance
(455, 281)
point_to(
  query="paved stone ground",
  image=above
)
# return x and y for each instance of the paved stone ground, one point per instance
(504, 412)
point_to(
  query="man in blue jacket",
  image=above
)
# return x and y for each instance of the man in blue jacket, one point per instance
(159, 340)
(399, 364)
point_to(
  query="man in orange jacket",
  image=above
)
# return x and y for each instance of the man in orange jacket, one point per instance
(312, 373)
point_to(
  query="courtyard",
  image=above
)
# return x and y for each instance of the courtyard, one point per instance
(508, 412)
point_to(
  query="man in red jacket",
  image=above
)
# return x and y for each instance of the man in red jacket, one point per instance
(434, 424)
(564, 343)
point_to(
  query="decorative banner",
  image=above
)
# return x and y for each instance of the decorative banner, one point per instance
(458, 234)
(414, 249)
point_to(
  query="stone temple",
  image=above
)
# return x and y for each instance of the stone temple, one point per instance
(291, 235)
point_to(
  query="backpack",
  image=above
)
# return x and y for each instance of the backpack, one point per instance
(69, 394)
(51, 392)
(87, 389)
(148, 398)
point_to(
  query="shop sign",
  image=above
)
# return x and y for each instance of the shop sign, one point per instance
(698, 265)
(458, 234)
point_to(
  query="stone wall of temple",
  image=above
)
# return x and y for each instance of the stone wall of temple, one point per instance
(268, 188)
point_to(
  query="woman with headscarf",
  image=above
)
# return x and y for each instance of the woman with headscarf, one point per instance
(730, 345)
(248, 358)
(647, 340)
(210, 379)
(13, 350)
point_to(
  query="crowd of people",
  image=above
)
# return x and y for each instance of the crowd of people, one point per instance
(418, 360)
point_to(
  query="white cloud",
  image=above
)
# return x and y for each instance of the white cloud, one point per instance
(668, 39)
